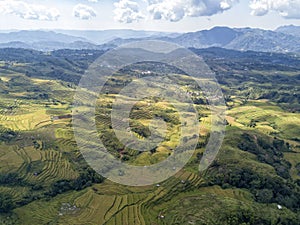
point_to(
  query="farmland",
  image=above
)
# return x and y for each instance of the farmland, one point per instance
(44, 178)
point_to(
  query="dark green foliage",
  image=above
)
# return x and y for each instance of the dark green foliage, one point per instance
(248, 83)
(11, 179)
(266, 152)
(7, 135)
(264, 195)
(6, 203)
(168, 117)
(252, 123)
(298, 168)
(66, 65)
(111, 142)
(140, 129)
(265, 189)
(86, 178)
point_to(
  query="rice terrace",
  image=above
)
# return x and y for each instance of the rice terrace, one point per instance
(64, 154)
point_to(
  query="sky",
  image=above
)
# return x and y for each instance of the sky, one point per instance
(158, 15)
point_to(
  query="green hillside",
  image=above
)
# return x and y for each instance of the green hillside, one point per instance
(255, 178)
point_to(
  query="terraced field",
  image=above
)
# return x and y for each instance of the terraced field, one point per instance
(46, 179)
(269, 119)
(110, 204)
(25, 122)
(35, 165)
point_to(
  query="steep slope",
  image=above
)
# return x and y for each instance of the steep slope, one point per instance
(216, 37)
(267, 41)
(291, 30)
(242, 39)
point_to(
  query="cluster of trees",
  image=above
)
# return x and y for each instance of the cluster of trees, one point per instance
(7, 135)
(265, 189)
(111, 142)
(168, 117)
(252, 85)
(245, 216)
(140, 129)
(6, 203)
(11, 179)
(86, 178)
(298, 169)
(282, 97)
(66, 65)
(266, 152)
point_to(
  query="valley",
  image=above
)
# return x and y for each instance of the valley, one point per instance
(255, 178)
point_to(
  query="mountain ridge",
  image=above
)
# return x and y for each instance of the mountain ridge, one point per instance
(284, 39)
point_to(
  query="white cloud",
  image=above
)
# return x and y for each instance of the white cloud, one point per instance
(94, 1)
(175, 10)
(127, 11)
(289, 9)
(28, 11)
(83, 12)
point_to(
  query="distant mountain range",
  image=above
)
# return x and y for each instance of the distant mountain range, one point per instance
(55, 45)
(283, 39)
(104, 36)
(292, 30)
(242, 39)
(38, 36)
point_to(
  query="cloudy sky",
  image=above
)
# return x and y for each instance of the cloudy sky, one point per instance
(163, 15)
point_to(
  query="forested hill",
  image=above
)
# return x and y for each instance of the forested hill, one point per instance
(233, 68)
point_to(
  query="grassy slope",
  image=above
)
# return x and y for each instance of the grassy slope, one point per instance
(182, 199)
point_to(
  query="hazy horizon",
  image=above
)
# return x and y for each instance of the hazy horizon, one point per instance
(132, 29)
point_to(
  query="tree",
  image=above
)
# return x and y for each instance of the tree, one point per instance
(264, 195)
(6, 203)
